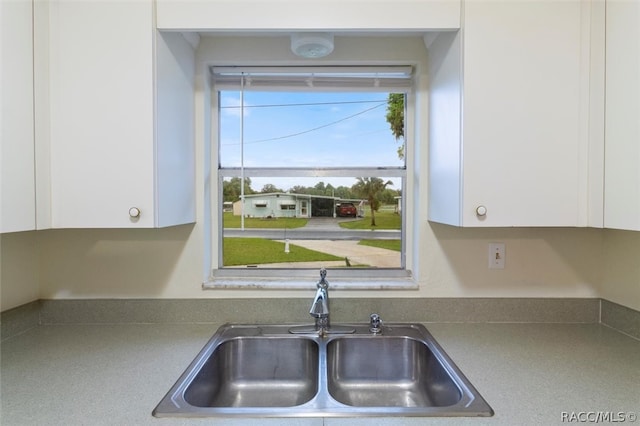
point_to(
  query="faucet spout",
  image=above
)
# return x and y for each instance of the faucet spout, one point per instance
(320, 311)
(320, 305)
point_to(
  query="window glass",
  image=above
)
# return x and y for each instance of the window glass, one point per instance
(307, 130)
(310, 179)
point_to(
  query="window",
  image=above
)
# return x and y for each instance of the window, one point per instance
(312, 168)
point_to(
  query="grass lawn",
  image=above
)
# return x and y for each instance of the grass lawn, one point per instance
(231, 221)
(395, 245)
(256, 251)
(385, 219)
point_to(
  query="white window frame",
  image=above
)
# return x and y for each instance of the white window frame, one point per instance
(348, 279)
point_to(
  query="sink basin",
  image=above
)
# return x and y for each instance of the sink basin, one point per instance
(267, 371)
(388, 372)
(256, 372)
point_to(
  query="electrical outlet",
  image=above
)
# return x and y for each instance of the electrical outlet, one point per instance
(497, 255)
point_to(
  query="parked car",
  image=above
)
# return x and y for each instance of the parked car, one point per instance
(346, 209)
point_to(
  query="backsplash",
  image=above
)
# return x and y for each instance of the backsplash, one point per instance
(295, 310)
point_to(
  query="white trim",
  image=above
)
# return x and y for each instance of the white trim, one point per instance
(303, 279)
(364, 70)
(309, 79)
(313, 172)
(343, 278)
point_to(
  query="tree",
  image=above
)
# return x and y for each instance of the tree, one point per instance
(388, 196)
(319, 188)
(329, 190)
(370, 189)
(298, 189)
(270, 188)
(395, 118)
(344, 192)
(231, 188)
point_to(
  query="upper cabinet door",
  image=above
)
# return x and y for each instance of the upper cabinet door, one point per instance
(287, 15)
(109, 164)
(508, 125)
(17, 174)
(622, 109)
(101, 113)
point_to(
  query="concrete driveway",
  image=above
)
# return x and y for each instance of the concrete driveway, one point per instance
(357, 254)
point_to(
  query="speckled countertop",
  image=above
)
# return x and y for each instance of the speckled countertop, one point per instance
(116, 374)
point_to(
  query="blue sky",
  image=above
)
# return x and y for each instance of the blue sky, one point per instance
(307, 130)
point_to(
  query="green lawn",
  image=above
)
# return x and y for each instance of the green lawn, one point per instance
(395, 245)
(385, 219)
(256, 251)
(231, 221)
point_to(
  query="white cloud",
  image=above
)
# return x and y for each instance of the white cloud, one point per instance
(232, 106)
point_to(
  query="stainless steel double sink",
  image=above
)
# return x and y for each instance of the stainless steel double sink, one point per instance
(265, 370)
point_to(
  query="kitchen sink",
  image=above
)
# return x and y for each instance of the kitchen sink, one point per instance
(272, 371)
(388, 372)
(256, 372)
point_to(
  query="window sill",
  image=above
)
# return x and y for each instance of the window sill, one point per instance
(303, 279)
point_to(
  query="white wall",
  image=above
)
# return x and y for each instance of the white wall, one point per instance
(166, 263)
(169, 263)
(19, 269)
(172, 263)
(621, 271)
(121, 263)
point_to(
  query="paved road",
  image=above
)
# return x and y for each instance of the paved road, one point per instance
(309, 234)
(316, 229)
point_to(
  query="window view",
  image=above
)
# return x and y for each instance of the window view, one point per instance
(310, 177)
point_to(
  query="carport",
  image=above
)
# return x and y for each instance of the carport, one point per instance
(322, 206)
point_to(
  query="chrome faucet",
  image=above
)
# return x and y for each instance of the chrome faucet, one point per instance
(320, 306)
(320, 311)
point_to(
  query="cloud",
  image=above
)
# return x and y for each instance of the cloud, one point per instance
(231, 106)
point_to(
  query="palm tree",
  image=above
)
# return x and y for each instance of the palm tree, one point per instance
(371, 188)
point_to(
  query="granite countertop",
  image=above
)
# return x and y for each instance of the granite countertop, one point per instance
(531, 374)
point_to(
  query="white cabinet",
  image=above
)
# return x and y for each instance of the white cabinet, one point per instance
(122, 133)
(622, 109)
(17, 172)
(508, 123)
(291, 15)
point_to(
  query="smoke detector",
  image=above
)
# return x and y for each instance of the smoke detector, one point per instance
(312, 45)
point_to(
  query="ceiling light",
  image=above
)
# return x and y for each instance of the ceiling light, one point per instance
(312, 45)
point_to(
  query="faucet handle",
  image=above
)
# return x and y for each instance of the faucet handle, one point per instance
(323, 279)
(375, 323)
